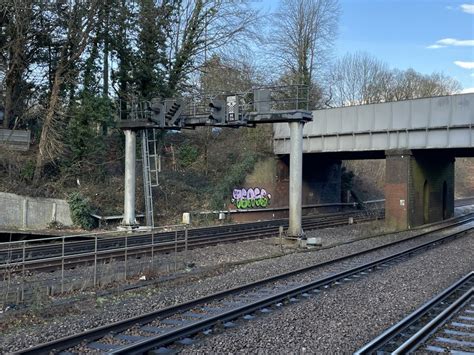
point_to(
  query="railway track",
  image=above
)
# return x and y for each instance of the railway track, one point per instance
(48, 257)
(41, 255)
(443, 324)
(177, 325)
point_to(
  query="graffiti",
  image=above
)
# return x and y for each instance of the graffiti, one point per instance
(250, 198)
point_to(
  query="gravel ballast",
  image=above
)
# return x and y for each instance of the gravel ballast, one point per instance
(346, 317)
(94, 311)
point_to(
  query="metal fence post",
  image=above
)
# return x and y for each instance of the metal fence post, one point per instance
(175, 250)
(23, 272)
(126, 256)
(62, 264)
(95, 261)
(186, 246)
(152, 249)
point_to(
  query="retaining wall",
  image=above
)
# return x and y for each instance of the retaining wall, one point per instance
(32, 213)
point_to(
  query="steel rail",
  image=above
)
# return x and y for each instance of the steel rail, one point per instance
(36, 251)
(50, 264)
(191, 329)
(183, 331)
(424, 333)
(168, 230)
(380, 343)
(160, 247)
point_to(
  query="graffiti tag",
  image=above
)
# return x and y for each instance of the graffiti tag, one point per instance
(250, 198)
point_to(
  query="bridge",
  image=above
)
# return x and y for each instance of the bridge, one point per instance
(419, 139)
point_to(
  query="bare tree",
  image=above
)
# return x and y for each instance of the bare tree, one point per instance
(80, 17)
(358, 79)
(219, 76)
(303, 33)
(16, 18)
(410, 84)
(203, 27)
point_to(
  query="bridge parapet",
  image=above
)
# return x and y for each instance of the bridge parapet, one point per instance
(428, 123)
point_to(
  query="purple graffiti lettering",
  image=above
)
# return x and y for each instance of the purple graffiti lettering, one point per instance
(237, 194)
(250, 194)
(250, 198)
(257, 192)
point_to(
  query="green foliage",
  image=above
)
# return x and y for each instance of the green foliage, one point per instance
(27, 171)
(81, 210)
(235, 176)
(187, 155)
(347, 182)
(55, 225)
(347, 177)
(83, 139)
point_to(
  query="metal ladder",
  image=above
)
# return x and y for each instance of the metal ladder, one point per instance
(151, 167)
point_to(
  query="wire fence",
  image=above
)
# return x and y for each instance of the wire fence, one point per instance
(26, 276)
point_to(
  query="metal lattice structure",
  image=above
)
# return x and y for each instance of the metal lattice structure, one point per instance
(261, 105)
(150, 162)
(246, 109)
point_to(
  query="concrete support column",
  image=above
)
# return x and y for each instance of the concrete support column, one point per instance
(296, 179)
(129, 219)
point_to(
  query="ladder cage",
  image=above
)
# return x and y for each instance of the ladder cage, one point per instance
(150, 164)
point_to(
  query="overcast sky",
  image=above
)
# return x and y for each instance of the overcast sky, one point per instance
(427, 35)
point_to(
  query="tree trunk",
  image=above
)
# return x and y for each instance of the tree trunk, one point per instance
(46, 141)
(8, 106)
(12, 80)
(105, 69)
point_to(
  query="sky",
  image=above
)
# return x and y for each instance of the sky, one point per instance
(426, 35)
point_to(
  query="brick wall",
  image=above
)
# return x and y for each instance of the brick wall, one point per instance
(321, 184)
(464, 177)
(431, 175)
(397, 191)
(419, 188)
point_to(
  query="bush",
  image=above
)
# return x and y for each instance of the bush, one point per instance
(187, 155)
(81, 210)
(235, 176)
(27, 171)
